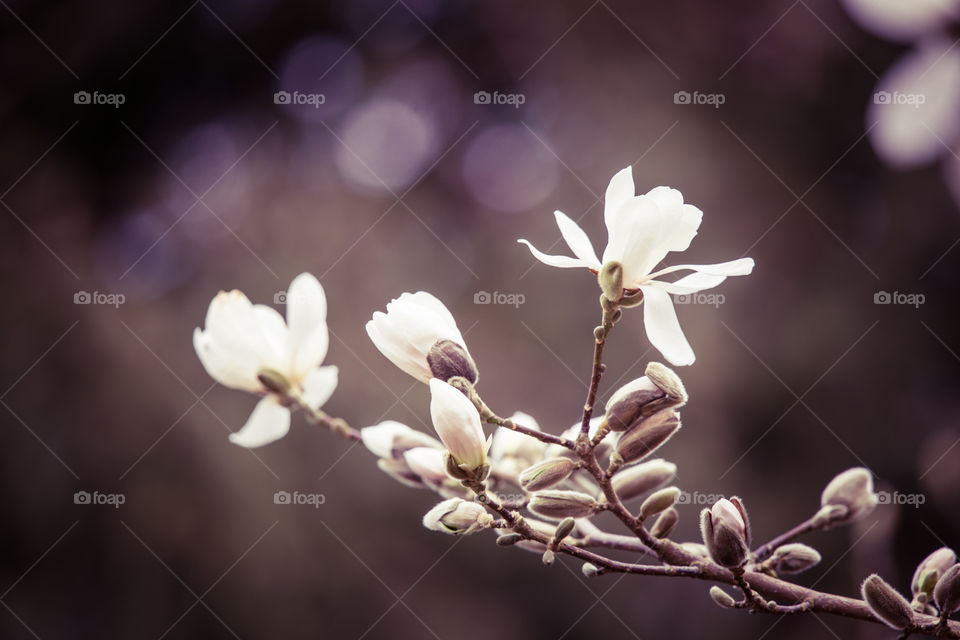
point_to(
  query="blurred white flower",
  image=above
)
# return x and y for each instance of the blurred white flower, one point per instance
(412, 326)
(516, 451)
(901, 20)
(458, 425)
(428, 463)
(915, 110)
(641, 231)
(250, 347)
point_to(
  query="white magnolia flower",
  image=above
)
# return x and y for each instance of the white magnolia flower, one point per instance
(457, 517)
(243, 342)
(641, 231)
(458, 425)
(903, 21)
(509, 444)
(412, 326)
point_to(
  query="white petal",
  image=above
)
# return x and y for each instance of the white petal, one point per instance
(564, 262)
(397, 349)
(740, 267)
(380, 437)
(457, 423)
(690, 284)
(636, 239)
(223, 367)
(307, 319)
(240, 338)
(577, 240)
(907, 134)
(268, 422)
(663, 328)
(681, 221)
(427, 462)
(619, 191)
(319, 385)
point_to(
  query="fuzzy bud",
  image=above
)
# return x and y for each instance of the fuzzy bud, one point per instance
(724, 530)
(547, 473)
(947, 592)
(509, 539)
(794, 558)
(648, 435)
(457, 517)
(590, 570)
(665, 523)
(886, 603)
(559, 504)
(935, 564)
(658, 501)
(447, 359)
(665, 378)
(642, 478)
(564, 529)
(610, 278)
(722, 598)
(852, 489)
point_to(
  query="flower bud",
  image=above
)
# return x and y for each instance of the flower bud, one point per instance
(390, 439)
(794, 558)
(665, 378)
(590, 570)
(634, 401)
(886, 603)
(564, 529)
(547, 473)
(509, 539)
(665, 523)
(610, 278)
(648, 436)
(642, 478)
(947, 592)
(724, 531)
(548, 557)
(447, 359)
(457, 517)
(722, 598)
(428, 463)
(935, 564)
(658, 501)
(458, 425)
(413, 324)
(852, 489)
(558, 504)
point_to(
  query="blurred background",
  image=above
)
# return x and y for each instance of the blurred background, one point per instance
(154, 153)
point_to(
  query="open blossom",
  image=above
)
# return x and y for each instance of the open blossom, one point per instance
(458, 425)
(250, 347)
(419, 335)
(641, 230)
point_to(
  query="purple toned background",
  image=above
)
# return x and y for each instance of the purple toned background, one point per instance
(401, 181)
